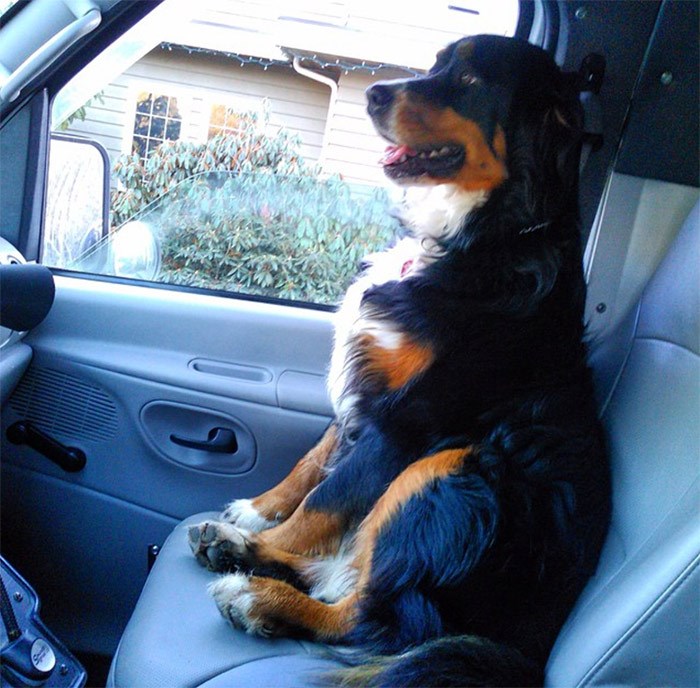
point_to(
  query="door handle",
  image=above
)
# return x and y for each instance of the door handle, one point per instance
(219, 441)
(70, 459)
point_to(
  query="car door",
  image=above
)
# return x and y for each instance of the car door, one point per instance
(145, 380)
(121, 372)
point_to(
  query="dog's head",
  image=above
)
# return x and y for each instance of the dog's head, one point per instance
(470, 119)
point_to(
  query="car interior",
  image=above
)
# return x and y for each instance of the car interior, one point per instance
(115, 389)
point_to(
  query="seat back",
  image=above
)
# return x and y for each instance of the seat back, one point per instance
(637, 622)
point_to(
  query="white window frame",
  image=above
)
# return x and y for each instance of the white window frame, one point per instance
(185, 101)
(241, 103)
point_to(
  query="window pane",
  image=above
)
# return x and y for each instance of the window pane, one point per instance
(172, 129)
(5, 5)
(224, 120)
(241, 167)
(144, 103)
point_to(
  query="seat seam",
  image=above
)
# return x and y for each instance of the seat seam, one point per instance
(629, 556)
(251, 661)
(641, 622)
(661, 340)
(618, 376)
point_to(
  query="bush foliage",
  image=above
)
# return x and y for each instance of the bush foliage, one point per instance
(242, 212)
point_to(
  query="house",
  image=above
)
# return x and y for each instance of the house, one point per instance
(303, 65)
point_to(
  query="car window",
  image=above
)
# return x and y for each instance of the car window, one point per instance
(6, 6)
(237, 155)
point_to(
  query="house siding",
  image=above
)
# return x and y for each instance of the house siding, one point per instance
(353, 148)
(347, 145)
(332, 126)
(105, 119)
(296, 104)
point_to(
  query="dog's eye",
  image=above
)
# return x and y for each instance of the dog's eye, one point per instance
(468, 79)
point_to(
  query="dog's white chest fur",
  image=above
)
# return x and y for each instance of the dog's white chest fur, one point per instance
(352, 320)
(434, 213)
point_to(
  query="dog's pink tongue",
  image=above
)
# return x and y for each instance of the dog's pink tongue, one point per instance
(393, 154)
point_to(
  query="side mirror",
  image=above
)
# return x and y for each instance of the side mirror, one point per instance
(76, 222)
(135, 251)
(77, 201)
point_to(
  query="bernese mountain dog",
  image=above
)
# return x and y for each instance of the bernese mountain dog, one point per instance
(451, 514)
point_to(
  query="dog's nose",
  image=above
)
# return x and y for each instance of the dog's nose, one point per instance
(379, 97)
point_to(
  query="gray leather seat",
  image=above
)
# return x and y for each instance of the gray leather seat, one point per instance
(636, 623)
(176, 636)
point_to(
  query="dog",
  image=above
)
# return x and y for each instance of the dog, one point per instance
(451, 514)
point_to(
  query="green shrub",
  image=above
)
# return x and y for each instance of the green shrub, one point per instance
(243, 213)
(288, 236)
(142, 181)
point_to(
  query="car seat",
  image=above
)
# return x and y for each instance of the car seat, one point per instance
(636, 622)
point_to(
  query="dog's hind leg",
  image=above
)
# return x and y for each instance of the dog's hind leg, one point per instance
(427, 530)
(426, 533)
(276, 505)
(268, 607)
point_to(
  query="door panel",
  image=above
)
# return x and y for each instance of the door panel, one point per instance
(84, 552)
(120, 326)
(132, 461)
(117, 371)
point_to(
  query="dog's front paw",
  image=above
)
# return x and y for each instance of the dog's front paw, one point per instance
(243, 514)
(219, 546)
(235, 598)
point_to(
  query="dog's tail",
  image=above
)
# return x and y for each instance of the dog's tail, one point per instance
(452, 661)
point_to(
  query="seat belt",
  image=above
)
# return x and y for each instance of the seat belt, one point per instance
(591, 74)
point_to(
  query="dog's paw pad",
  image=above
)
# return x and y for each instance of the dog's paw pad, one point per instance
(218, 546)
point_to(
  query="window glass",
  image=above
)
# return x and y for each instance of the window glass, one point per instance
(224, 120)
(239, 154)
(5, 5)
(157, 119)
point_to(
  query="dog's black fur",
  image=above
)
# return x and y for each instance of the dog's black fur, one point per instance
(473, 576)
(524, 521)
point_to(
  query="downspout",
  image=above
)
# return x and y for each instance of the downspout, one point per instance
(331, 83)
